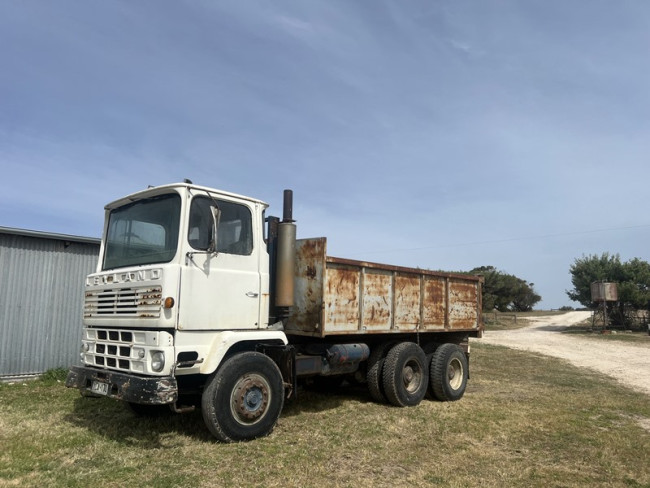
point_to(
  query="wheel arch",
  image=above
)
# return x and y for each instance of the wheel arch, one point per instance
(227, 344)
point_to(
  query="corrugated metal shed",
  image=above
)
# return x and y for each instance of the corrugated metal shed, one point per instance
(41, 299)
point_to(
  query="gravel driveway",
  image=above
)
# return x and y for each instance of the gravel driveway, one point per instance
(628, 363)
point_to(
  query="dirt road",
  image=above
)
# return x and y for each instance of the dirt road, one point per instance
(628, 363)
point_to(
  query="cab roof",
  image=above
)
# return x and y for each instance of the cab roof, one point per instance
(159, 190)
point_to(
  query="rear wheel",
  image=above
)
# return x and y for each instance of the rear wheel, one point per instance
(244, 398)
(405, 375)
(448, 373)
(375, 368)
(429, 348)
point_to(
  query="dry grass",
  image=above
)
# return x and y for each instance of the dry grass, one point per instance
(586, 329)
(513, 320)
(525, 420)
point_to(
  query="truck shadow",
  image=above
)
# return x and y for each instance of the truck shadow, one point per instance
(114, 420)
(313, 400)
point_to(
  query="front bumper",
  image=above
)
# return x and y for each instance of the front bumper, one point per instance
(159, 390)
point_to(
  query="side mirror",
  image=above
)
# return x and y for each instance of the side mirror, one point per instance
(216, 217)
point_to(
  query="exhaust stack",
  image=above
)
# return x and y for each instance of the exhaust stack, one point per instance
(285, 263)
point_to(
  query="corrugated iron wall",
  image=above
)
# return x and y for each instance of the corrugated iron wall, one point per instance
(41, 300)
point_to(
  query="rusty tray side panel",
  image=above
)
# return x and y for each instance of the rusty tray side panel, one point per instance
(463, 300)
(307, 313)
(337, 296)
(434, 311)
(341, 300)
(407, 302)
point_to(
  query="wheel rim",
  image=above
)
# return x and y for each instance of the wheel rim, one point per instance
(250, 399)
(455, 374)
(412, 376)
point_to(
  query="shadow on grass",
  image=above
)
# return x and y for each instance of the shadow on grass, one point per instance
(553, 328)
(314, 399)
(114, 419)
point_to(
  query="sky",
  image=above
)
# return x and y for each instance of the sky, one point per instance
(440, 134)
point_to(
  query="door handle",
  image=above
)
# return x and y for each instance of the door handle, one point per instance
(252, 294)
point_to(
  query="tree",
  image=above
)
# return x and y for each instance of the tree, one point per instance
(588, 269)
(632, 278)
(635, 289)
(506, 292)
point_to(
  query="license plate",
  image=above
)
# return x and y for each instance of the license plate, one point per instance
(99, 388)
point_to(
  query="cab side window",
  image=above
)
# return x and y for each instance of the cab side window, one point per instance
(235, 232)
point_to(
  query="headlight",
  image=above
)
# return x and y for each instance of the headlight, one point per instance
(158, 361)
(85, 347)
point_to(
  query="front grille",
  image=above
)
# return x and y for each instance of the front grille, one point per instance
(124, 350)
(144, 302)
(115, 348)
(113, 355)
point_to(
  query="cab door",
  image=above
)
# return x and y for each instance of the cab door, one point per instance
(220, 290)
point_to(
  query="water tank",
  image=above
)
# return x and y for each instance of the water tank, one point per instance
(604, 292)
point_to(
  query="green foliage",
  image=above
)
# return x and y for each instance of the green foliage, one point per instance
(57, 374)
(632, 277)
(505, 292)
(588, 269)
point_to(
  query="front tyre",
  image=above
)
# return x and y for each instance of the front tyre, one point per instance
(244, 398)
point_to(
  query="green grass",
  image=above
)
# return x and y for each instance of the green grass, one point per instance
(526, 420)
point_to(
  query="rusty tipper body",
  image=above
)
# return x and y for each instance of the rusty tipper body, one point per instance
(337, 296)
(195, 304)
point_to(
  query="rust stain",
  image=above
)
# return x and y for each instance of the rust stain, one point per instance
(343, 299)
(407, 301)
(151, 296)
(377, 290)
(308, 281)
(434, 308)
(463, 309)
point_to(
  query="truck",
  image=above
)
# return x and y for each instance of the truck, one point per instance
(199, 300)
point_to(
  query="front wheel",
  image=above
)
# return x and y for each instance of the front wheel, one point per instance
(244, 398)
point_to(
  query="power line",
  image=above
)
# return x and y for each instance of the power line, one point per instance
(510, 239)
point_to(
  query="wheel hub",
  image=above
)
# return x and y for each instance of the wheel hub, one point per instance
(408, 375)
(412, 377)
(455, 374)
(250, 398)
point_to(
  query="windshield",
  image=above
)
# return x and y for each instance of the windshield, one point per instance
(143, 232)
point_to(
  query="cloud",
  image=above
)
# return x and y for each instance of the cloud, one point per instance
(294, 25)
